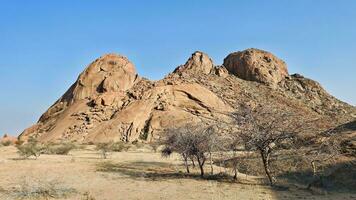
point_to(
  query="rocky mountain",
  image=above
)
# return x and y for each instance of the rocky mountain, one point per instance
(111, 102)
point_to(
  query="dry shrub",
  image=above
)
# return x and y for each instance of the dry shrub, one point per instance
(6, 143)
(40, 189)
(155, 146)
(138, 144)
(105, 148)
(32, 148)
(87, 196)
(59, 149)
(119, 146)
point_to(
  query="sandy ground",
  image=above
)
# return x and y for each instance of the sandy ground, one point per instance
(78, 173)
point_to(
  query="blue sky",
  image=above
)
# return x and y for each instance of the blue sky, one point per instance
(44, 45)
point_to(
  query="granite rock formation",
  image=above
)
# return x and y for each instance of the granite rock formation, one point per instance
(110, 102)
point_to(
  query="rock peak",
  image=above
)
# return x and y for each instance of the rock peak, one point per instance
(256, 65)
(199, 62)
(112, 56)
(109, 73)
(109, 102)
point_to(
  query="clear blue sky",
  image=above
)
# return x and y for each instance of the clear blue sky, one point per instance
(44, 45)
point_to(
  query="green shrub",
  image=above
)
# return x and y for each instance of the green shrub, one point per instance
(138, 144)
(119, 147)
(32, 148)
(59, 149)
(6, 143)
(104, 148)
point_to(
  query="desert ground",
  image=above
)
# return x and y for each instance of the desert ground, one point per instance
(136, 174)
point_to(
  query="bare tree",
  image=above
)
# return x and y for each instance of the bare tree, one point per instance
(191, 142)
(215, 143)
(104, 148)
(266, 131)
(324, 151)
(154, 145)
(175, 140)
(321, 150)
(233, 146)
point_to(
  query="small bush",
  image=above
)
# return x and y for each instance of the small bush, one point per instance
(6, 143)
(30, 149)
(41, 189)
(138, 144)
(119, 147)
(155, 146)
(104, 148)
(59, 149)
(87, 196)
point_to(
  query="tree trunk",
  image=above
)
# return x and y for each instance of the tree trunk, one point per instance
(265, 158)
(235, 172)
(235, 165)
(186, 163)
(193, 163)
(211, 164)
(313, 167)
(104, 154)
(201, 166)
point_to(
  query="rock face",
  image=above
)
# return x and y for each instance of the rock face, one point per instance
(109, 74)
(256, 65)
(102, 82)
(199, 62)
(110, 102)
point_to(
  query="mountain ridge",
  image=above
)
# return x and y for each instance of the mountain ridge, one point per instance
(111, 102)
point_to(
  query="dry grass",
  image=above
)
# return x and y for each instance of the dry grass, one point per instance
(125, 175)
(87, 196)
(40, 189)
